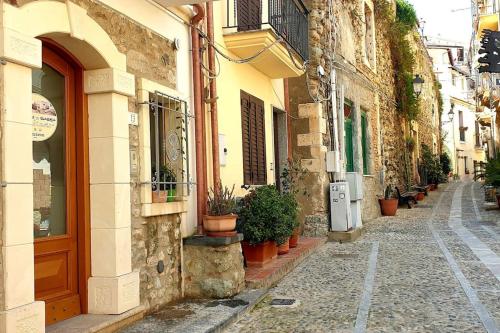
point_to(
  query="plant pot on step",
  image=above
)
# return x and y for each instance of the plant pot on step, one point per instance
(257, 255)
(284, 248)
(388, 207)
(223, 224)
(420, 196)
(294, 239)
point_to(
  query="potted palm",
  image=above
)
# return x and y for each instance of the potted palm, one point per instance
(389, 203)
(220, 220)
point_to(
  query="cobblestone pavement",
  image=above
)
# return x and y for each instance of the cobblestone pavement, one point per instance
(434, 268)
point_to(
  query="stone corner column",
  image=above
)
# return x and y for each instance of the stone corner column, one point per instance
(18, 309)
(314, 206)
(113, 287)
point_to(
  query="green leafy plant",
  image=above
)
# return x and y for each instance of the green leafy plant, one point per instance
(166, 175)
(406, 14)
(431, 166)
(492, 172)
(221, 201)
(265, 214)
(445, 162)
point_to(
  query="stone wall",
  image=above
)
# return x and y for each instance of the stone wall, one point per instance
(371, 89)
(213, 271)
(154, 239)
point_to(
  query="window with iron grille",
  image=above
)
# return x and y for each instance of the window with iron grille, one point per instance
(168, 121)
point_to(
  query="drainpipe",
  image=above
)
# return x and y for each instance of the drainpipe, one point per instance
(200, 176)
(213, 98)
(286, 96)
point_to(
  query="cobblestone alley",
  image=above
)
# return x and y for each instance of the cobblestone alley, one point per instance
(435, 268)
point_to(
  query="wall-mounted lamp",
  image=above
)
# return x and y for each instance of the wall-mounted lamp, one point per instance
(418, 83)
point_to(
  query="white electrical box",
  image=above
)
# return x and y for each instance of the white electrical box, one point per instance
(340, 207)
(355, 181)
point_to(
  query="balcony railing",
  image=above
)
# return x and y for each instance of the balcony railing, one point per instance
(287, 18)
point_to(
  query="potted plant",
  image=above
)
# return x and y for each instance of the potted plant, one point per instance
(168, 176)
(389, 203)
(258, 215)
(285, 226)
(492, 176)
(220, 220)
(292, 185)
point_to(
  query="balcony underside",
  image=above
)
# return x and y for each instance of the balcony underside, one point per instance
(275, 62)
(487, 22)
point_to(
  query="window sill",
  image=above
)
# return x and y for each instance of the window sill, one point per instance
(369, 176)
(164, 208)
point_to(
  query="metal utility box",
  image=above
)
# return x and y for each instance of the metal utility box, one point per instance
(340, 210)
(355, 181)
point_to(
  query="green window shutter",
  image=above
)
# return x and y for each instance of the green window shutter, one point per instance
(364, 142)
(349, 152)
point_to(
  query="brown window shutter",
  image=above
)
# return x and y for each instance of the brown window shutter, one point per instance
(261, 172)
(249, 14)
(245, 130)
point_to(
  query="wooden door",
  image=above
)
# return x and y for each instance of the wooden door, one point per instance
(55, 190)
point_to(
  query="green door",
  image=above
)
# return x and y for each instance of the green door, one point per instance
(364, 142)
(349, 155)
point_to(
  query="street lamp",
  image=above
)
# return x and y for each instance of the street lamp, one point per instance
(418, 82)
(451, 114)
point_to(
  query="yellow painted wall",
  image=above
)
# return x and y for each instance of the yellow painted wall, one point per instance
(233, 78)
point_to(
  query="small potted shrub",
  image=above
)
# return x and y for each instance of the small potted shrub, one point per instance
(389, 203)
(285, 228)
(220, 220)
(164, 192)
(492, 176)
(258, 216)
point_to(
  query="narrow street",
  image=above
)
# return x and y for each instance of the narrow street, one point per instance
(435, 268)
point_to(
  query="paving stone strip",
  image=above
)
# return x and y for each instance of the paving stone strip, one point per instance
(487, 320)
(492, 233)
(364, 306)
(481, 250)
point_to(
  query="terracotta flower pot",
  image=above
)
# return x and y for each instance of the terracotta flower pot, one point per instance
(219, 223)
(433, 187)
(388, 207)
(284, 248)
(159, 196)
(294, 239)
(420, 196)
(259, 254)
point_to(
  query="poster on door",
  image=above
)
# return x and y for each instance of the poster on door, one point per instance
(44, 118)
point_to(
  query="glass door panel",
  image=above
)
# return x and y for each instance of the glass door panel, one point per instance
(49, 153)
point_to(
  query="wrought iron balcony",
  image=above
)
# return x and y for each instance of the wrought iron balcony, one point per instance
(288, 19)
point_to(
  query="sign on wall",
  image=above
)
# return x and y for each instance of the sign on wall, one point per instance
(44, 118)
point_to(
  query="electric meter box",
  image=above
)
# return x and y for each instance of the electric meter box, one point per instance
(340, 207)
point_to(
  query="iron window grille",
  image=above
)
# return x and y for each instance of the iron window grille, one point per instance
(169, 136)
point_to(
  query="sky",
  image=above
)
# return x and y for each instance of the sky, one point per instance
(445, 19)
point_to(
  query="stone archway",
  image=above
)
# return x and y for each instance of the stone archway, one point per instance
(112, 288)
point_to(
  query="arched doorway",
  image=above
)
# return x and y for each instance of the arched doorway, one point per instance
(60, 185)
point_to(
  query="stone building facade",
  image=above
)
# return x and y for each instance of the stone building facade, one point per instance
(351, 39)
(113, 56)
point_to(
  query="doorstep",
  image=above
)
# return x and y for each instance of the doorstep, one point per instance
(96, 323)
(345, 236)
(198, 316)
(271, 273)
